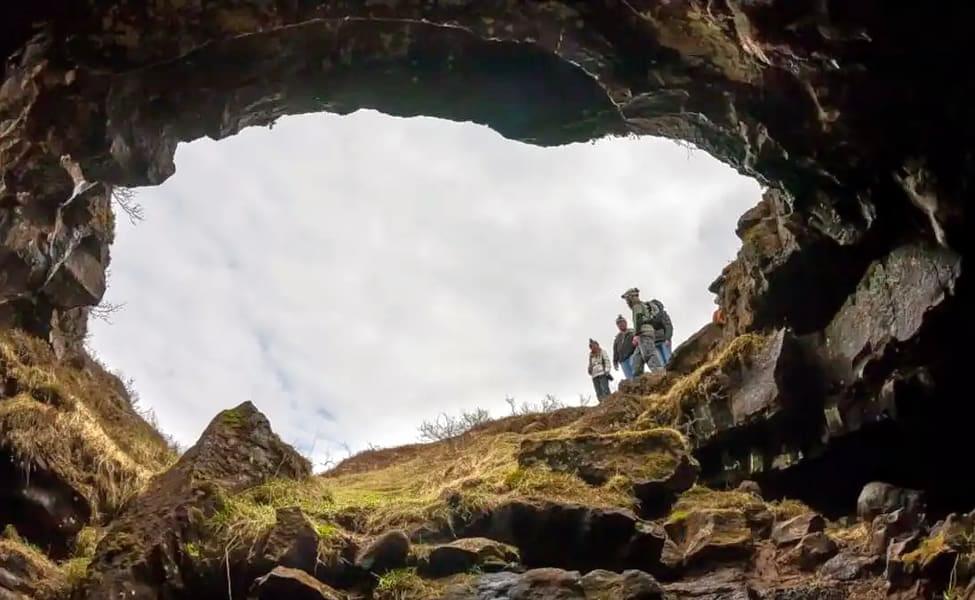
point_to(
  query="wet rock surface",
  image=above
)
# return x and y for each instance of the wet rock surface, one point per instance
(294, 584)
(552, 584)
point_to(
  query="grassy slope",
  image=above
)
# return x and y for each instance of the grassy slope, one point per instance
(438, 483)
(78, 423)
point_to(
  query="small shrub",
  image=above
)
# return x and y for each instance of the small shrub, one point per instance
(75, 570)
(550, 403)
(401, 584)
(86, 541)
(447, 427)
(193, 550)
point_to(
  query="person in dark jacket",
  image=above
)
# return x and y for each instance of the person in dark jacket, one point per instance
(664, 329)
(623, 348)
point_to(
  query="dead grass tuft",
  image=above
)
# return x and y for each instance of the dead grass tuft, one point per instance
(703, 498)
(405, 584)
(787, 508)
(247, 515)
(700, 498)
(49, 582)
(855, 537)
(665, 409)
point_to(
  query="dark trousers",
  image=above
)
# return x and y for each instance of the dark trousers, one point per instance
(601, 383)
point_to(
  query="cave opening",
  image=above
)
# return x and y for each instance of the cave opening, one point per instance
(296, 248)
(540, 77)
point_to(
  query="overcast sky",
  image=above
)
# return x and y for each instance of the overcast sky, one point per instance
(354, 276)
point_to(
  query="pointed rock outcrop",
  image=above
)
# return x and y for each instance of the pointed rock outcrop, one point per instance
(145, 553)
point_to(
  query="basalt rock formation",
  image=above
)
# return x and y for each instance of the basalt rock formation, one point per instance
(841, 358)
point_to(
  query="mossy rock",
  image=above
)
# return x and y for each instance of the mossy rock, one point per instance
(640, 456)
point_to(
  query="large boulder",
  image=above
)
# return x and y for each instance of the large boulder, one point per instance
(710, 536)
(879, 498)
(292, 542)
(145, 553)
(656, 462)
(639, 455)
(792, 530)
(718, 584)
(847, 566)
(814, 550)
(696, 350)
(465, 554)
(385, 553)
(292, 584)
(887, 527)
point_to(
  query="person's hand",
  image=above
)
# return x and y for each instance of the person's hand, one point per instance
(636, 341)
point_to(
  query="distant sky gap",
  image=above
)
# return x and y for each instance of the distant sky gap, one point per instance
(354, 276)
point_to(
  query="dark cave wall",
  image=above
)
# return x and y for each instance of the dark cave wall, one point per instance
(856, 117)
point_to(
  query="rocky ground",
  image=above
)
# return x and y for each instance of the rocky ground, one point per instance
(602, 502)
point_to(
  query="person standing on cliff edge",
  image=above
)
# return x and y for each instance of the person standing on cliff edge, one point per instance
(645, 340)
(599, 369)
(623, 348)
(665, 329)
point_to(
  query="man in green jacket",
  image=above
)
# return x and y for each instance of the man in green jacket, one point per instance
(645, 339)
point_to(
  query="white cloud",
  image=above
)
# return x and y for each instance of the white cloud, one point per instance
(356, 275)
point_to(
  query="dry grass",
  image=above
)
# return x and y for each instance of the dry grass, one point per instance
(665, 409)
(856, 537)
(929, 548)
(78, 423)
(703, 498)
(438, 484)
(247, 515)
(443, 484)
(402, 584)
(405, 584)
(435, 483)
